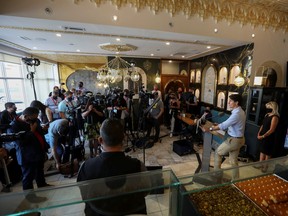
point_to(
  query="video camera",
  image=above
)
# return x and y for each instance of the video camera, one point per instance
(11, 137)
(97, 101)
(144, 94)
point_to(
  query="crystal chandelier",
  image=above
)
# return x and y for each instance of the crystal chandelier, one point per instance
(116, 70)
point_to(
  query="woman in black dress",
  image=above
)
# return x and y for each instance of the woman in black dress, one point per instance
(266, 133)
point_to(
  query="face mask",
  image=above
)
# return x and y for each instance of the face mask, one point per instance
(269, 110)
(80, 85)
(55, 97)
(207, 111)
(70, 99)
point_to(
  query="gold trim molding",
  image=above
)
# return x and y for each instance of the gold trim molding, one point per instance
(265, 13)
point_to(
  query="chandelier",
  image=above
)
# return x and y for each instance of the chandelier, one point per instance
(117, 70)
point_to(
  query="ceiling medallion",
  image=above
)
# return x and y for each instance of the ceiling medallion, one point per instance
(118, 47)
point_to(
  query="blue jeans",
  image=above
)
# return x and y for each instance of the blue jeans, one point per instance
(31, 171)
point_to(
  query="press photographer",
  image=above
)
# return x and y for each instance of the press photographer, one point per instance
(116, 103)
(93, 117)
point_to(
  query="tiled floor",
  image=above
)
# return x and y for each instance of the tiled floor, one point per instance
(161, 154)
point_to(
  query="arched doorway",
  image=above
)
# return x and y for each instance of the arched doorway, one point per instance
(173, 85)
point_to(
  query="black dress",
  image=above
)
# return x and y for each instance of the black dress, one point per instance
(267, 144)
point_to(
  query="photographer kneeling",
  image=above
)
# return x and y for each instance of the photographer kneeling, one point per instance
(94, 116)
(56, 136)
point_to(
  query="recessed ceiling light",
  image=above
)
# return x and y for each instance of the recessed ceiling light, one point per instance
(117, 39)
(35, 48)
(208, 47)
(215, 30)
(171, 54)
(115, 18)
(170, 61)
(253, 35)
(78, 50)
(117, 52)
(183, 56)
(167, 43)
(58, 35)
(152, 54)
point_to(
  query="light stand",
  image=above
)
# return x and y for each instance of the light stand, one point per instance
(31, 62)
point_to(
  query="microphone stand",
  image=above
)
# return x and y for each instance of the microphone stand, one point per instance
(146, 111)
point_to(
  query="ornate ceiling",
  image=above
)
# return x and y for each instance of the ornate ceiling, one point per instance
(265, 13)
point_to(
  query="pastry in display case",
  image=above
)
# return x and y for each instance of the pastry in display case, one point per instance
(226, 200)
(254, 192)
(269, 192)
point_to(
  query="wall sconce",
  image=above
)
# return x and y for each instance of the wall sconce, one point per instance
(157, 79)
(239, 80)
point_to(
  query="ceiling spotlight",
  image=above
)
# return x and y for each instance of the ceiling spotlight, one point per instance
(115, 18)
(215, 30)
(58, 35)
(208, 47)
(253, 35)
(78, 50)
(117, 52)
(171, 54)
(183, 56)
(170, 61)
(151, 54)
(34, 47)
(168, 43)
(118, 39)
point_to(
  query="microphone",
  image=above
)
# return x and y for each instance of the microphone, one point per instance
(203, 118)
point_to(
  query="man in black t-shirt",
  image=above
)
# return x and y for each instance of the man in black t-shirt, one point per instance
(112, 162)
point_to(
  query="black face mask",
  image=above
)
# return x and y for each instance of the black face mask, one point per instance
(269, 110)
(55, 97)
(80, 85)
(70, 99)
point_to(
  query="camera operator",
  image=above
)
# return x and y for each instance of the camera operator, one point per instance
(94, 116)
(117, 104)
(31, 148)
(67, 106)
(153, 117)
(191, 101)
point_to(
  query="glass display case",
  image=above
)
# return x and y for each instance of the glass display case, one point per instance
(121, 194)
(254, 189)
